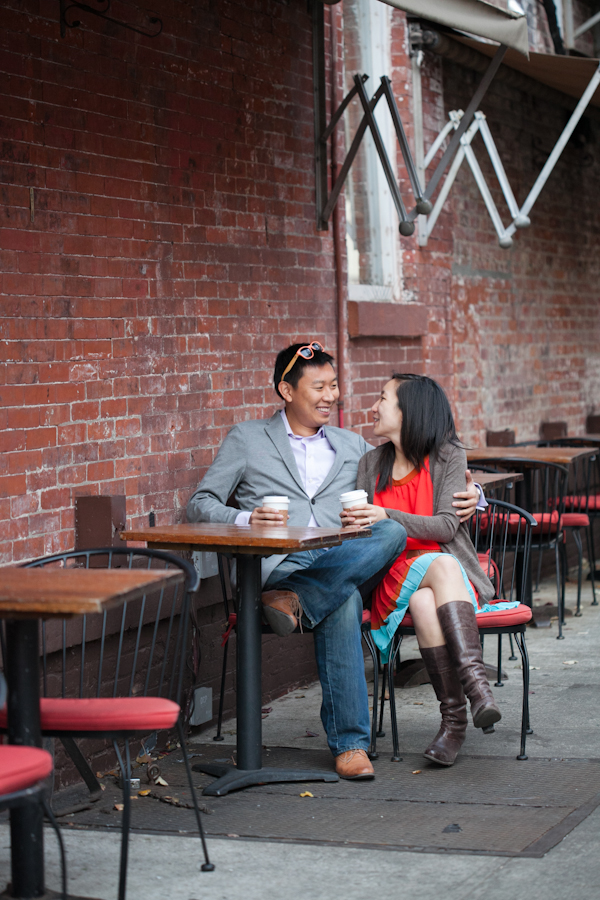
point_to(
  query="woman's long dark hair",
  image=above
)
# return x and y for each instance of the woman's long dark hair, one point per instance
(427, 424)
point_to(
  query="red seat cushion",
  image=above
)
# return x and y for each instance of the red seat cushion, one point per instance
(407, 621)
(105, 714)
(232, 622)
(22, 767)
(504, 618)
(575, 520)
(520, 615)
(594, 502)
(577, 501)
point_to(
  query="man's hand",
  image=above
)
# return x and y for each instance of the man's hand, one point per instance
(467, 501)
(262, 515)
(364, 515)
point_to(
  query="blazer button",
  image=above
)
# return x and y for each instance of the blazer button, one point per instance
(313, 501)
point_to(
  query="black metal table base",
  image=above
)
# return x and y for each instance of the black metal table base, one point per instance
(230, 778)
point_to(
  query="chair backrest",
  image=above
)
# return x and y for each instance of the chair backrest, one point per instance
(138, 649)
(501, 535)
(584, 475)
(504, 438)
(551, 430)
(541, 493)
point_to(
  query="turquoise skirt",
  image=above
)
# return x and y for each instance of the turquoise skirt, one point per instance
(383, 636)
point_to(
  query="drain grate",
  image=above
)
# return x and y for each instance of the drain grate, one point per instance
(489, 805)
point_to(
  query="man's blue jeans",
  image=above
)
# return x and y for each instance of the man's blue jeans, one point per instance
(327, 583)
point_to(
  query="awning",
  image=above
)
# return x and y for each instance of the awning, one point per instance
(474, 16)
(569, 74)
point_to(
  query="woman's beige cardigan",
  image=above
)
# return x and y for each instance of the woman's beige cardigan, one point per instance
(448, 477)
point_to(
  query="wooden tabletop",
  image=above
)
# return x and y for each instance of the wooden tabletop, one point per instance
(255, 539)
(592, 438)
(491, 480)
(45, 593)
(562, 455)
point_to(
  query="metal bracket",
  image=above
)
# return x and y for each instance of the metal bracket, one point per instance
(368, 121)
(101, 10)
(422, 196)
(519, 215)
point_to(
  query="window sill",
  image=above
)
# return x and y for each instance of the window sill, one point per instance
(392, 320)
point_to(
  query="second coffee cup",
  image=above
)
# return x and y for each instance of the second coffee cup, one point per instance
(353, 498)
(281, 504)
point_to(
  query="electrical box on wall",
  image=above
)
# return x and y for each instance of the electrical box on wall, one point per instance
(202, 710)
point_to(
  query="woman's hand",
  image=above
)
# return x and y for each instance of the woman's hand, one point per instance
(262, 515)
(364, 515)
(467, 501)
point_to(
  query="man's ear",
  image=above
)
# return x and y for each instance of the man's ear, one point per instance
(286, 391)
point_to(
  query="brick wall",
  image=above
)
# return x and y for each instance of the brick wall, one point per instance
(526, 321)
(172, 252)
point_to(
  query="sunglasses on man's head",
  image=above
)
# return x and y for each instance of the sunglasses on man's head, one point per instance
(306, 352)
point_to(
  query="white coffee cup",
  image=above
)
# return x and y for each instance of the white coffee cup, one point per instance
(279, 503)
(353, 498)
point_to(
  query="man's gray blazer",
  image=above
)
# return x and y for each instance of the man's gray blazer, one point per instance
(256, 459)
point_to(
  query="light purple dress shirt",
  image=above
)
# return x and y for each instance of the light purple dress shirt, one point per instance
(314, 457)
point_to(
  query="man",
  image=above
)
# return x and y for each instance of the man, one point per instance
(297, 454)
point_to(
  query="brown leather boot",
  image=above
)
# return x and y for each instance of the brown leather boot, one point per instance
(453, 706)
(459, 627)
(282, 610)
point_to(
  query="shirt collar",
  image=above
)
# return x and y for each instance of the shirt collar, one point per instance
(320, 433)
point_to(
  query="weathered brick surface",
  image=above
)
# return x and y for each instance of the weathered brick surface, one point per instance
(173, 251)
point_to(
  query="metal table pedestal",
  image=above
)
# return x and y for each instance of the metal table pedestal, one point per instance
(249, 770)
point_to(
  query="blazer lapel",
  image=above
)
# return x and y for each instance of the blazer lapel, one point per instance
(275, 429)
(337, 445)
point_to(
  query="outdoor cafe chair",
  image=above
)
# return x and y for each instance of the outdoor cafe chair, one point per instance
(230, 606)
(128, 683)
(582, 508)
(501, 534)
(542, 493)
(22, 774)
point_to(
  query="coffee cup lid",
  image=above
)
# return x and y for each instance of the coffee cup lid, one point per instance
(275, 499)
(352, 495)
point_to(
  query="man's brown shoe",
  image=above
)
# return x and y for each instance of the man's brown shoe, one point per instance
(354, 765)
(282, 611)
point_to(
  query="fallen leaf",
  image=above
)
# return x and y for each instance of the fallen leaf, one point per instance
(160, 780)
(569, 662)
(307, 794)
(417, 703)
(417, 772)
(102, 787)
(534, 668)
(232, 835)
(143, 793)
(311, 733)
(143, 758)
(267, 709)
(119, 807)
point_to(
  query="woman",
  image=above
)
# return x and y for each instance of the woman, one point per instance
(412, 478)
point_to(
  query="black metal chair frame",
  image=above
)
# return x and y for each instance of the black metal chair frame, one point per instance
(516, 631)
(175, 678)
(34, 794)
(579, 506)
(552, 500)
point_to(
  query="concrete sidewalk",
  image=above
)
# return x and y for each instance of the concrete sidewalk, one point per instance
(566, 723)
